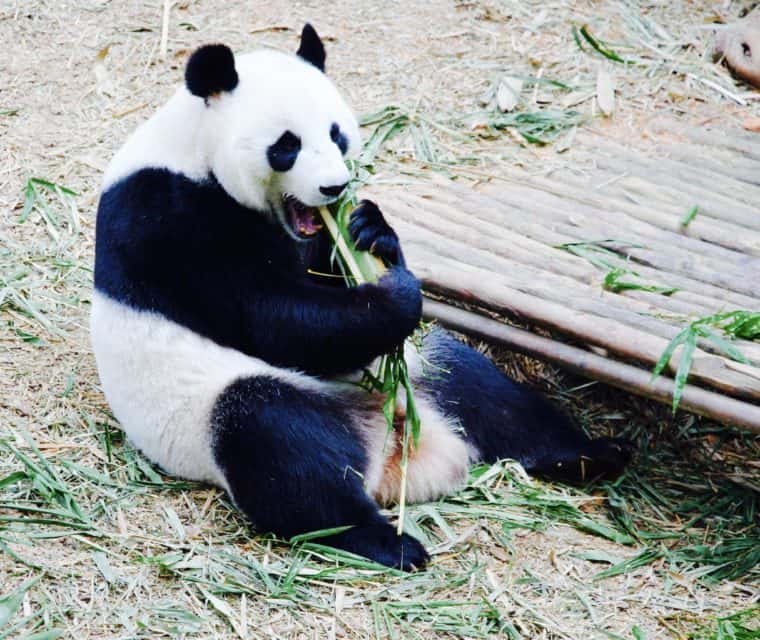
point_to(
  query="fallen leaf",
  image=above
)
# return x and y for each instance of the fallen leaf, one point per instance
(605, 92)
(508, 93)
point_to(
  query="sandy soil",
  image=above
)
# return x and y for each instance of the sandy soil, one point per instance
(79, 77)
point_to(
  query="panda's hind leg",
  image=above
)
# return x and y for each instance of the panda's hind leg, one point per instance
(503, 419)
(294, 460)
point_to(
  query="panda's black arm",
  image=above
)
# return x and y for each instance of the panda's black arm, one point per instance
(326, 330)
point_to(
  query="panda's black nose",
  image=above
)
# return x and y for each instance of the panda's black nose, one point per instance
(334, 190)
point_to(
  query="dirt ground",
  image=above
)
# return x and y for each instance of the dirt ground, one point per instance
(116, 550)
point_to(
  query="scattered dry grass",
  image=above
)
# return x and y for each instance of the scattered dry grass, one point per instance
(96, 543)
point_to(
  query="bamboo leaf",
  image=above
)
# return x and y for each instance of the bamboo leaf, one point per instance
(723, 345)
(598, 46)
(508, 93)
(10, 602)
(668, 353)
(684, 366)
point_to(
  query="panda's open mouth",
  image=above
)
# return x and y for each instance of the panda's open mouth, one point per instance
(304, 220)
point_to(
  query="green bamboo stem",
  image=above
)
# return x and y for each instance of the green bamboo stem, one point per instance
(363, 267)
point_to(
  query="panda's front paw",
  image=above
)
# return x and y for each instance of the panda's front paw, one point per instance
(403, 293)
(370, 232)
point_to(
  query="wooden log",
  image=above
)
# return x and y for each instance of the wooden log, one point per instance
(634, 314)
(617, 374)
(482, 287)
(724, 138)
(721, 162)
(582, 225)
(731, 199)
(500, 210)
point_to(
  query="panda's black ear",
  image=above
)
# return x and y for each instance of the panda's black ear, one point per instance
(210, 70)
(311, 49)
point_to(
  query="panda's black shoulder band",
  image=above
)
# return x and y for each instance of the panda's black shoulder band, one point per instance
(210, 70)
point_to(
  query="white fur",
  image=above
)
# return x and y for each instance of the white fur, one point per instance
(230, 136)
(439, 464)
(162, 380)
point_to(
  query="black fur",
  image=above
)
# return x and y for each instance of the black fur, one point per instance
(370, 232)
(311, 48)
(294, 458)
(334, 190)
(283, 153)
(188, 251)
(504, 419)
(294, 462)
(210, 70)
(339, 138)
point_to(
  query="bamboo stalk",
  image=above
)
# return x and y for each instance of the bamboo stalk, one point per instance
(618, 374)
(340, 242)
(364, 267)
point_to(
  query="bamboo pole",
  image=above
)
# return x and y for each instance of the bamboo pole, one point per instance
(726, 139)
(626, 313)
(521, 202)
(624, 376)
(725, 234)
(721, 162)
(484, 288)
(571, 224)
(716, 205)
(554, 199)
(724, 197)
(711, 296)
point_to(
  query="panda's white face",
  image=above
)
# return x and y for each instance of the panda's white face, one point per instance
(278, 141)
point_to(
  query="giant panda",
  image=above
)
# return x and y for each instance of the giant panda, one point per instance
(228, 356)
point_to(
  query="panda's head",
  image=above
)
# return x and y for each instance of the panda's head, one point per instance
(275, 131)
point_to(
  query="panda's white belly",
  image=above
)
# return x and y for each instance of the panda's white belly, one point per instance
(162, 381)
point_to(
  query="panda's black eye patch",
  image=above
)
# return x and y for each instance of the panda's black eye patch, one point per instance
(337, 136)
(283, 153)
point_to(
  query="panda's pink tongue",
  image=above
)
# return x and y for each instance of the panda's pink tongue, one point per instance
(305, 220)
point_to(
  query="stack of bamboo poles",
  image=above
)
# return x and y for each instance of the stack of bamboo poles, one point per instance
(495, 247)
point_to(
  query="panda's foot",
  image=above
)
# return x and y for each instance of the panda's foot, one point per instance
(371, 232)
(603, 458)
(381, 543)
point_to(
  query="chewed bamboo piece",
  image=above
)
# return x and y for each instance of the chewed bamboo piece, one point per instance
(361, 267)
